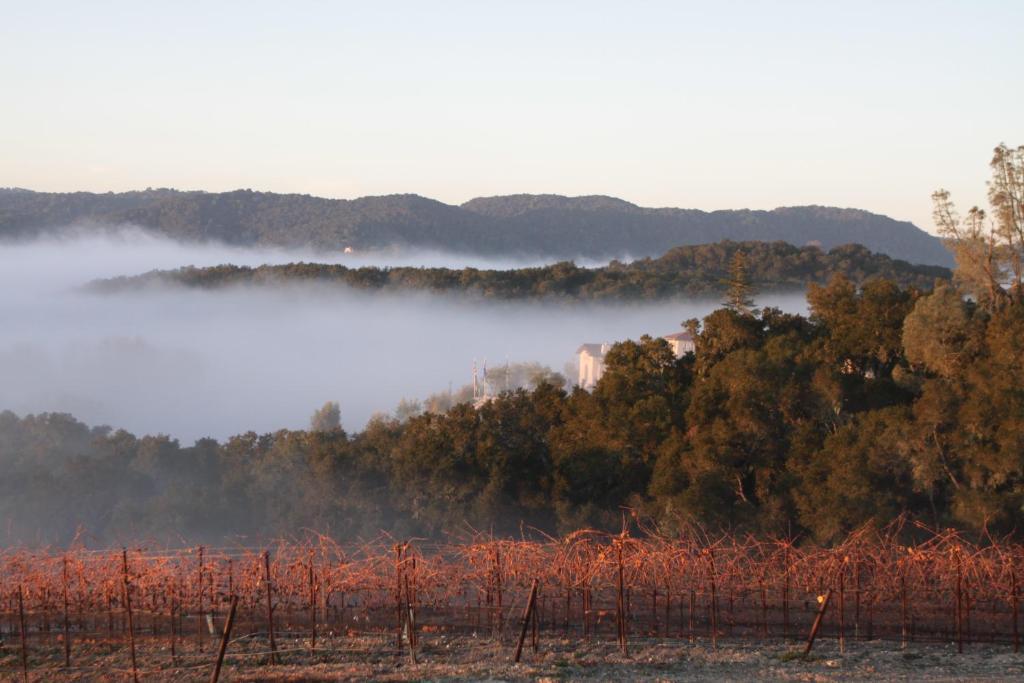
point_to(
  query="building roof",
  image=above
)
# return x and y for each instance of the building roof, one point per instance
(680, 336)
(592, 349)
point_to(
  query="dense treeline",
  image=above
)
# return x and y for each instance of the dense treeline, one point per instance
(535, 225)
(883, 401)
(683, 271)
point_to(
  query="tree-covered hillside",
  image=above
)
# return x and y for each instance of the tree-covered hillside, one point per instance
(537, 225)
(683, 271)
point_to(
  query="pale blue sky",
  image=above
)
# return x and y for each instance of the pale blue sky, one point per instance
(696, 104)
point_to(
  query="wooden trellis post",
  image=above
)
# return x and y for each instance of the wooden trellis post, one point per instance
(1014, 608)
(959, 603)
(312, 608)
(817, 622)
(620, 605)
(527, 613)
(785, 594)
(67, 625)
(270, 608)
(714, 599)
(128, 608)
(199, 606)
(842, 607)
(24, 635)
(224, 639)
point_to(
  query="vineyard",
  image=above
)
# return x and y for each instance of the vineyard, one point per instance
(200, 607)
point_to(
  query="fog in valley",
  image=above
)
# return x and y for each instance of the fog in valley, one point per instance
(193, 363)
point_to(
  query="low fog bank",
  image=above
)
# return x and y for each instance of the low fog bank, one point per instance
(82, 253)
(193, 363)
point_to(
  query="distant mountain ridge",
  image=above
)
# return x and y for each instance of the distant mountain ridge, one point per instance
(540, 225)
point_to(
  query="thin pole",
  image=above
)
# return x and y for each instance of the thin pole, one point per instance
(568, 605)
(199, 609)
(621, 604)
(654, 611)
(785, 595)
(534, 622)
(398, 592)
(967, 609)
(668, 610)
(67, 625)
(959, 606)
(817, 622)
(586, 611)
(527, 613)
(488, 601)
(714, 602)
(856, 600)
(312, 607)
(24, 639)
(224, 639)
(128, 607)
(1014, 609)
(497, 584)
(693, 606)
(414, 596)
(174, 631)
(764, 612)
(903, 608)
(842, 609)
(411, 621)
(270, 608)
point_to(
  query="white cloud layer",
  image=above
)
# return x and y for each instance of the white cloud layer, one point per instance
(193, 363)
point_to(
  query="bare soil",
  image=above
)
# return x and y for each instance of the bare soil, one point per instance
(468, 658)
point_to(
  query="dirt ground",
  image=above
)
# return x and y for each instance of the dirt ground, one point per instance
(466, 658)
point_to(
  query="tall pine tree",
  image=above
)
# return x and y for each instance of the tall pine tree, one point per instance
(739, 296)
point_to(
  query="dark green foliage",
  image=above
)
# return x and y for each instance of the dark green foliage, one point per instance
(884, 402)
(683, 271)
(739, 293)
(860, 474)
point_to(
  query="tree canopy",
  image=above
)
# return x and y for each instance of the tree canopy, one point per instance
(989, 247)
(708, 269)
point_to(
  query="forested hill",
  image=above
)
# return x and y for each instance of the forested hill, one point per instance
(683, 271)
(544, 225)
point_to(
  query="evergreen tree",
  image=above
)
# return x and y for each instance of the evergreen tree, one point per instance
(739, 295)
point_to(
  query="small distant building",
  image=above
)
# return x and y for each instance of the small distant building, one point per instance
(591, 363)
(591, 356)
(681, 343)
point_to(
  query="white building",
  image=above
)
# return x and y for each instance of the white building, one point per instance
(681, 343)
(591, 356)
(591, 363)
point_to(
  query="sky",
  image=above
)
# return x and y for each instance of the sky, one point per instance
(709, 105)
